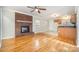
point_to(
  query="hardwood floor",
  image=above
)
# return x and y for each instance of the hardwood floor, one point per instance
(40, 42)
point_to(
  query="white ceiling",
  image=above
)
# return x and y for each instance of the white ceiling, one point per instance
(61, 10)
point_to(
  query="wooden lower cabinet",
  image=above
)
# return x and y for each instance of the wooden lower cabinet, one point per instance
(67, 34)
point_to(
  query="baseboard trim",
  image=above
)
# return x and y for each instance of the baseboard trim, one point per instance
(11, 37)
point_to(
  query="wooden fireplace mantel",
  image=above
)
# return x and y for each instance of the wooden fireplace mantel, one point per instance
(22, 20)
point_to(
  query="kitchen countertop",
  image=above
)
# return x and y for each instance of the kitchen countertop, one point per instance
(68, 26)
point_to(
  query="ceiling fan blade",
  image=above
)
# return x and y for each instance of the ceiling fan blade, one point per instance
(36, 8)
(39, 11)
(30, 7)
(42, 9)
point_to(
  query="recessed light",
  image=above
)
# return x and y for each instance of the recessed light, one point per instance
(54, 15)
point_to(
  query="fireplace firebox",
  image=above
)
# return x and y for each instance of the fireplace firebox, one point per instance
(24, 29)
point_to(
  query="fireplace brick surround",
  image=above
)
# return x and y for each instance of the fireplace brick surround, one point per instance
(22, 20)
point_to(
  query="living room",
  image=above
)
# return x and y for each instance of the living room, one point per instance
(38, 28)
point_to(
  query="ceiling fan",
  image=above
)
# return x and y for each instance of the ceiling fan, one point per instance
(36, 8)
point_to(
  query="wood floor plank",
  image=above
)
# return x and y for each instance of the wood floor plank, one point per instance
(40, 42)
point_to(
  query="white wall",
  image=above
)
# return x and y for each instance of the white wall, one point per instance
(40, 24)
(52, 26)
(8, 24)
(78, 27)
(0, 23)
(0, 26)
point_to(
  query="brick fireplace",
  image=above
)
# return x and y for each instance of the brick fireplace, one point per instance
(23, 24)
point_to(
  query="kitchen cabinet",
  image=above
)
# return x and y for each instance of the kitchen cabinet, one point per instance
(67, 34)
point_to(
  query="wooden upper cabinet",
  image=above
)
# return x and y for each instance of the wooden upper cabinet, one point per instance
(19, 16)
(58, 21)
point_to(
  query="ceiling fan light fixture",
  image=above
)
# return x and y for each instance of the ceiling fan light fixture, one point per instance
(36, 9)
